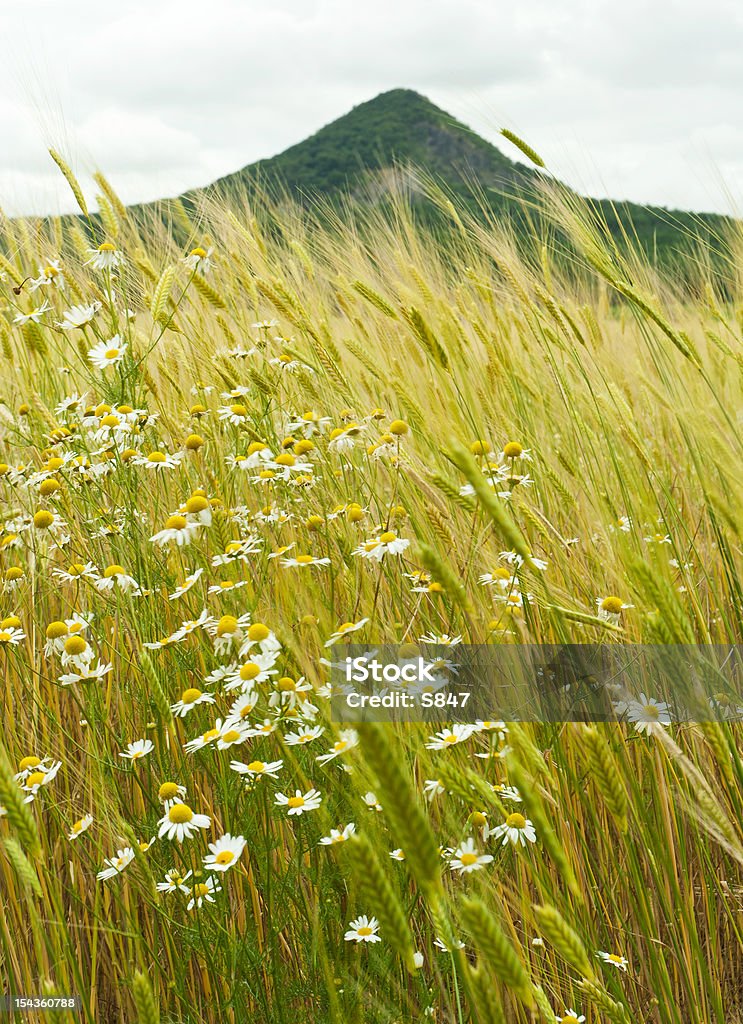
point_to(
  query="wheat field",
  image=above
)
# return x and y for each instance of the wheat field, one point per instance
(234, 436)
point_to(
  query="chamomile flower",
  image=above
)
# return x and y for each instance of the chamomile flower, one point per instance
(78, 316)
(344, 630)
(107, 353)
(516, 829)
(347, 739)
(11, 636)
(225, 852)
(188, 582)
(199, 259)
(203, 892)
(177, 529)
(86, 672)
(387, 543)
(363, 929)
(190, 699)
(450, 737)
(432, 788)
(175, 881)
(105, 257)
(611, 608)
(467, 859)
(614, 959)
(159, 462)
(35, 780)
(137, 750)
(339, 835)
(258, 769)
(256, 669)
(303, 736)
(646, 713)
(303, 562)
(80, 826)
(34, 316)
(232, 734)
(300, 802)
(115, 865)
(76, 572)
(170, 793)
(236, 413)
(179, 822)
(31, 763)
(571, 1017)
(115, 577)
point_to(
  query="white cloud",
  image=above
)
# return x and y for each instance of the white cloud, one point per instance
(629, 100)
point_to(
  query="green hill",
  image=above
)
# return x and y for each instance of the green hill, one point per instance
(397, 127)
(402, 128)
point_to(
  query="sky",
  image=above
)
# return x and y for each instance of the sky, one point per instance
(634, 100)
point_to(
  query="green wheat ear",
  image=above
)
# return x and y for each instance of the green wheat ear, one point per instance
(565, 939)
(380, 897)
(144, 1000)
(407, 819)
(71, 180)
(496, 949)
(525, 148)
(22, 866)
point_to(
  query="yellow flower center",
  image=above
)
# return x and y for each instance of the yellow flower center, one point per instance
(28, 762)
(516, 820)
(43, 519)
(305, 559)
(468, 858)
(512, 450)
(112, 353)
(238, 410)
(114, 570)
(35, 779)
(191, 695)
(168, 791)
(296, 801)
(225, 857)
(612, 605)
(198, 252)
(197, 503)
(75, 645)
(227, 624)
(256, 766)
(106, 247)
(156, 457)
(231, 735)
(258, 632)
(55, 630)
(287, 684)
(209, 735)
(179, 814)
(365, 930)
(200, 890)
(176, 523)
(387, 537)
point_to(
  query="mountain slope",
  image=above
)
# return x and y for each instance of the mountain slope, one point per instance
(397, 127)
(402, 128)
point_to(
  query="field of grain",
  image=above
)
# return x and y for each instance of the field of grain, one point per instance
(232, 437)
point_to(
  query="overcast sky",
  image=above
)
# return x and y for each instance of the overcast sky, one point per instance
(639, 99)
